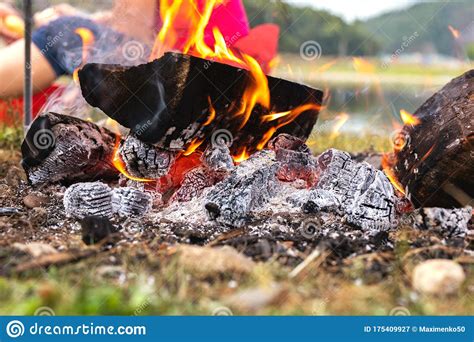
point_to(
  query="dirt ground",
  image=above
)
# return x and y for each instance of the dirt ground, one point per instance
(45, 265)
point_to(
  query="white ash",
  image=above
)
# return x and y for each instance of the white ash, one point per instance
(131, 202)
(448, 222)
(365, 195)
(88, 199)
(217, 157)
(247, 188)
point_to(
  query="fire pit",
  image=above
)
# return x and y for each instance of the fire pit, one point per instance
(199, 164)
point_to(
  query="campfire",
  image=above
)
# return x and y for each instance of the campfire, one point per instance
(215, 146)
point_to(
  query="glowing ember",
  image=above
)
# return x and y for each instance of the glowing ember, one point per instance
(454, 32)
(120, 165)
(408, 118)
(87, 38)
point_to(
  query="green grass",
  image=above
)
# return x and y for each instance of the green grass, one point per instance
(167, 289)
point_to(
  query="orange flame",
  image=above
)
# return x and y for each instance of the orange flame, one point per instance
(241, 156)
(193, 146)
(408, 118)
(120, 165)
(454, 32)
(212, 113)
(187, 18)
(87, 38)
(387, 167)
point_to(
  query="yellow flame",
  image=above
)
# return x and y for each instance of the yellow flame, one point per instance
(87, 38)
(408, 118)
(120, 165)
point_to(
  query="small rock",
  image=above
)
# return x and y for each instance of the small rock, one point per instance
(15, 176)
(257, 298)
(438, 276)
(208, 262)
(35, 249)
(95, 229)
(38, 216)
(9, 211)
(34, 200)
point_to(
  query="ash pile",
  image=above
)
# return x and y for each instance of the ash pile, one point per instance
(205, 178)
(280, 193)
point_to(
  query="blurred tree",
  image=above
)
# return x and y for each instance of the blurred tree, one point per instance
(300, 24)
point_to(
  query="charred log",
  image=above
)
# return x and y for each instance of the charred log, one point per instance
(436, 163)
(144, 160)
(247, 188)
(88, 199)
(167, 102)
(60, 148)
(362, 194)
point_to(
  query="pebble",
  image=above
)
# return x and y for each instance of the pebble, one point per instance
(35, 249)
(38, 216)
(15, 176)
(438, 277)
(34, 200)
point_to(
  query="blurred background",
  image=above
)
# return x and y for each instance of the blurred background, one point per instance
(372, 58)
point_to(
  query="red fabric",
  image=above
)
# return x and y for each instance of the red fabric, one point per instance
(11, 111)
(229, 17)
(261, 43)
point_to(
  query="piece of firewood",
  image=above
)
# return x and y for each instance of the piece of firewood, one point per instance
(61, 148)
(167, 102)
(436, 164)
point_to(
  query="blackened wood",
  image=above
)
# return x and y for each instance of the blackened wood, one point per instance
(436, 164)
(61, 148)
(166, 102)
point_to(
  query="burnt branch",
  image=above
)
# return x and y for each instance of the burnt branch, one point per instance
(436, 164)
(61, 148)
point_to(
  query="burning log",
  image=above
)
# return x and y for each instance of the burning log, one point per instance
(435, 164)
(144, 160)
(180, 100)
(60, 148)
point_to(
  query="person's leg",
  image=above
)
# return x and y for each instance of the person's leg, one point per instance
(12, 60)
